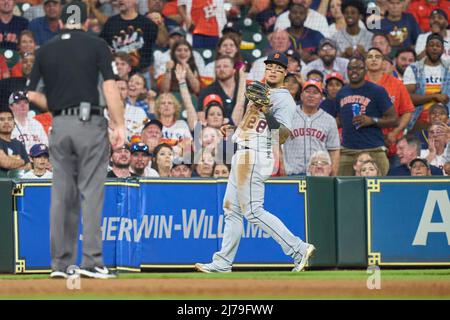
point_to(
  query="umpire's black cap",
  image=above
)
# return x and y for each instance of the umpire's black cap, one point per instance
(74, 12)
(278, 58)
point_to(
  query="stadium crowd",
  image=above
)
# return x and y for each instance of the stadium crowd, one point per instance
(377, 105)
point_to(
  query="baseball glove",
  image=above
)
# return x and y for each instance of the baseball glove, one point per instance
(259, 94)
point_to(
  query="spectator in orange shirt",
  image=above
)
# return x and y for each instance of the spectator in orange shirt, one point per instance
(422, 9)
(399, 96)
(205, 19)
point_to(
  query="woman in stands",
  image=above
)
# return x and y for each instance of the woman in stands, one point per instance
(163, 159)
(181, 54)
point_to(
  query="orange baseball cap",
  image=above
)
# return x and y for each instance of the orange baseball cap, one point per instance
(313, 83)
(212, 98)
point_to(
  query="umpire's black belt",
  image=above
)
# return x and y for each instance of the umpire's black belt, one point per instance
(75, 111)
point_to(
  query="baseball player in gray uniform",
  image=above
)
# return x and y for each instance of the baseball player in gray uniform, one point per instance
(313, 130)
(251, 166)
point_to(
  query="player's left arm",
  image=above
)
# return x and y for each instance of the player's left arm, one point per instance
(274, 124)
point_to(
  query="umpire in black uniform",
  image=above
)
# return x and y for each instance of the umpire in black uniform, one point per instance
(77, 72)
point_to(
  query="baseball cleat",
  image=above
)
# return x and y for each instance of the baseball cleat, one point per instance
(208, 268)
(304, 260)
(58, 275)
(96, 273)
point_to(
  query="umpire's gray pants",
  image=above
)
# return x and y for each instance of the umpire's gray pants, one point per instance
(79, 155)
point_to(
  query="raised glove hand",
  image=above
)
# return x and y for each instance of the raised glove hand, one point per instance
(259, 93)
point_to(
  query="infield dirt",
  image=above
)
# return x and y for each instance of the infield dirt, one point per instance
(226, 288)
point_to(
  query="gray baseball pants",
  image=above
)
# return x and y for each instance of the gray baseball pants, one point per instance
(79, 154)
(244, 197)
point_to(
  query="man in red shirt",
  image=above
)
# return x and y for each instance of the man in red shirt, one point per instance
(421, 11)
(399, 96)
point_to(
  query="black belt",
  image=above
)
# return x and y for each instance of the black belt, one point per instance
(75, 111)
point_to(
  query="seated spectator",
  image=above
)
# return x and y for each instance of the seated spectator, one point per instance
(301, 36)
(140, 161)
(135, 117)
(123, 63)
(137, 94)
(319, 164)
(369, 169)
(176, 34)
(26, 46)
(210, 139)
(408, 148)
(120, 162)
(315, 75)
(333, 83)
(268, 17)
(213, 106)
(46, 27)
(437, 144)
(428, 82)
(13, 155)
(359, 160)
(403, 58)
(39, 157)
(352, 40)
(438, 113)
(163, 159)
(167, 111)
(338, 18)
(295, 64)
(381, 41)
(203, 164)
(438, 24)
(294, 86)
(230, 88)
(11, 26)
(421, 10)
(180, 169)
(328, 61)
(400, 27)
(420, 168)
(132, 33)
(227, 46)
(314, 20)
(221, 170)
(151, 134)
(365, 108)
(279, 41)
(27, 130)
(181, 53)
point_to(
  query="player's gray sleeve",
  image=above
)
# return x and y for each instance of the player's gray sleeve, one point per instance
(333, 141)
(283, 108)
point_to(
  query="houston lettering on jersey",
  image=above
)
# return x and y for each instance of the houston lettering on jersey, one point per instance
(309, 132)
(363, 102)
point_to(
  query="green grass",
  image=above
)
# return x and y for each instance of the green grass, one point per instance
(408, 274)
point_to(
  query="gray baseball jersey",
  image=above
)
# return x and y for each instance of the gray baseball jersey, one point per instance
(253, 131)
(252, 165)
(318, 132)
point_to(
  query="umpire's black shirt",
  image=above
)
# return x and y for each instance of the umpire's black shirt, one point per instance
(69, 65)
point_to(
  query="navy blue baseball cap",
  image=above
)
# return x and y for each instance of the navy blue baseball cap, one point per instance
(279, 58)
(38, 150)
